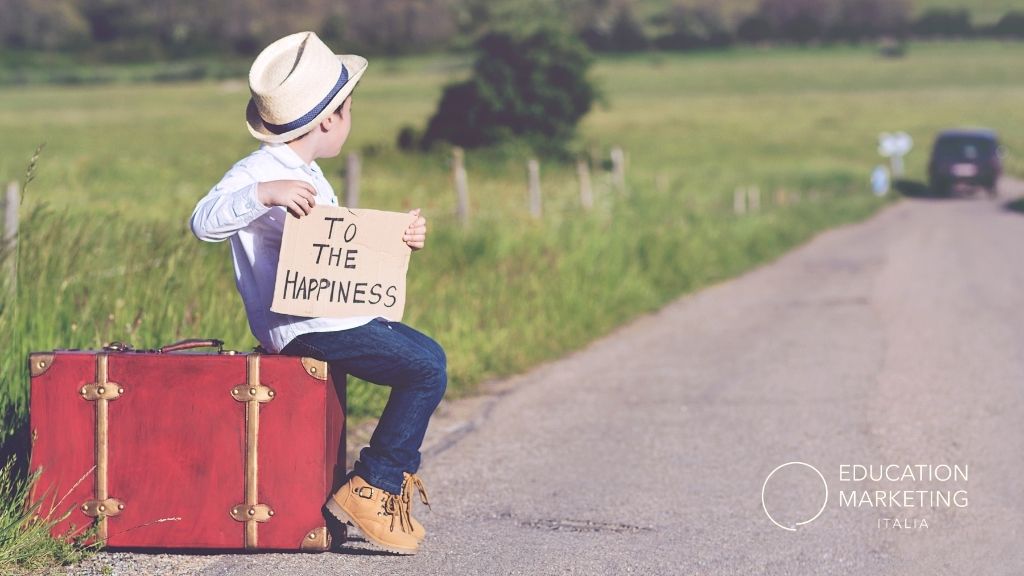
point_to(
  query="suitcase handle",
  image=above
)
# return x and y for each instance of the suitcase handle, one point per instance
(193, 343)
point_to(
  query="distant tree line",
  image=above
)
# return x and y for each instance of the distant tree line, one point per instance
(704, 25)
(145, 30)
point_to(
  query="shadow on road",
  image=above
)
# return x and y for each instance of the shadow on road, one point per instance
(916, 189)
(1015, 205)
(336, 548)
(362, 548)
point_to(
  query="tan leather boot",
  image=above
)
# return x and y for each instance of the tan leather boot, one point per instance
(410, 483)
(381, 516)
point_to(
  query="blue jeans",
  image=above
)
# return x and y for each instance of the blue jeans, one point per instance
(395, 355)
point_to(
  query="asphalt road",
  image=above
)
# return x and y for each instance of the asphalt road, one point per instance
(897, 341)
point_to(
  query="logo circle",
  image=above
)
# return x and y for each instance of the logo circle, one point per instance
(808, 521)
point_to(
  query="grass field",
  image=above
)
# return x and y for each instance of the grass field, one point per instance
(110, 256)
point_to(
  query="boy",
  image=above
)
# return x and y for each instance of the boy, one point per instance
(301, 110)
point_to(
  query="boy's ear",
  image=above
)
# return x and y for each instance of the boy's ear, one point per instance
(326, 123)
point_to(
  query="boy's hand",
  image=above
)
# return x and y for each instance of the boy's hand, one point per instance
(297, 196)
(416, 234)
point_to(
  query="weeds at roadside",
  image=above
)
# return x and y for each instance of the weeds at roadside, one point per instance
(26, 543)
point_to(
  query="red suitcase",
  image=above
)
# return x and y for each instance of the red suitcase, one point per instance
(187, 450)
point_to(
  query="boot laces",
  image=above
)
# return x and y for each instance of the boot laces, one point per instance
(411, 481)
(396, 507)
(400, 505)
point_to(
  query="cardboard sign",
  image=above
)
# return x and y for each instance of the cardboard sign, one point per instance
(340, 262)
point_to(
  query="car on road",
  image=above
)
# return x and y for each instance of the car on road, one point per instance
(965, 159)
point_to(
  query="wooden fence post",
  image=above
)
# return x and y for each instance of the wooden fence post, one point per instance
(619, 168)
(352, 170)
(754, 198)
(739, 201)
(533, 173)
(461, 185)
(586, 192)
(11, 203)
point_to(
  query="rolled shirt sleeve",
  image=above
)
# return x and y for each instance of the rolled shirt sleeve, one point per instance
(230, 206)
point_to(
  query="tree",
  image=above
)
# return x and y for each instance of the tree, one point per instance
(398, 26)
(859, 19)
(695, 27)
(627, 34)
(532, 85)
(476, 18)
(53, 25)
(754, 28)
(799, 21)
(944, 23)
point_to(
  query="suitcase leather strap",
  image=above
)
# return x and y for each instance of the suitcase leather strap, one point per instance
(252, 393)
(178, 346)
(101, 392)
(193, 343)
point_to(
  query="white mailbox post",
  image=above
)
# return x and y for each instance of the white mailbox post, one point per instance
(895, 147)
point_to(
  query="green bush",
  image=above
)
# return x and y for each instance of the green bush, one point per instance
(1011, 25)
(530, 85)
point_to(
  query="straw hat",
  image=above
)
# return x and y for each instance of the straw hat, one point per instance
(295, 83)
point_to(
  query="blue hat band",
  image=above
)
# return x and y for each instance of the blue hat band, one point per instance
(309, 116)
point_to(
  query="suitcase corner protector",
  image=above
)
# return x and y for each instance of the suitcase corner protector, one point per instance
(315, 368)
(316, 540)
(39, 362)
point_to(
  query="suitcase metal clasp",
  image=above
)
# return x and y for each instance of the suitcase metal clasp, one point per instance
(101, 391)
(255, 512)
(108, 507)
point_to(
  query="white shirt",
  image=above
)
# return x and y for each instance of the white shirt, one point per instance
(232, 211)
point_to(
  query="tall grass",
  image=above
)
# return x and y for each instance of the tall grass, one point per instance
(26, 544)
